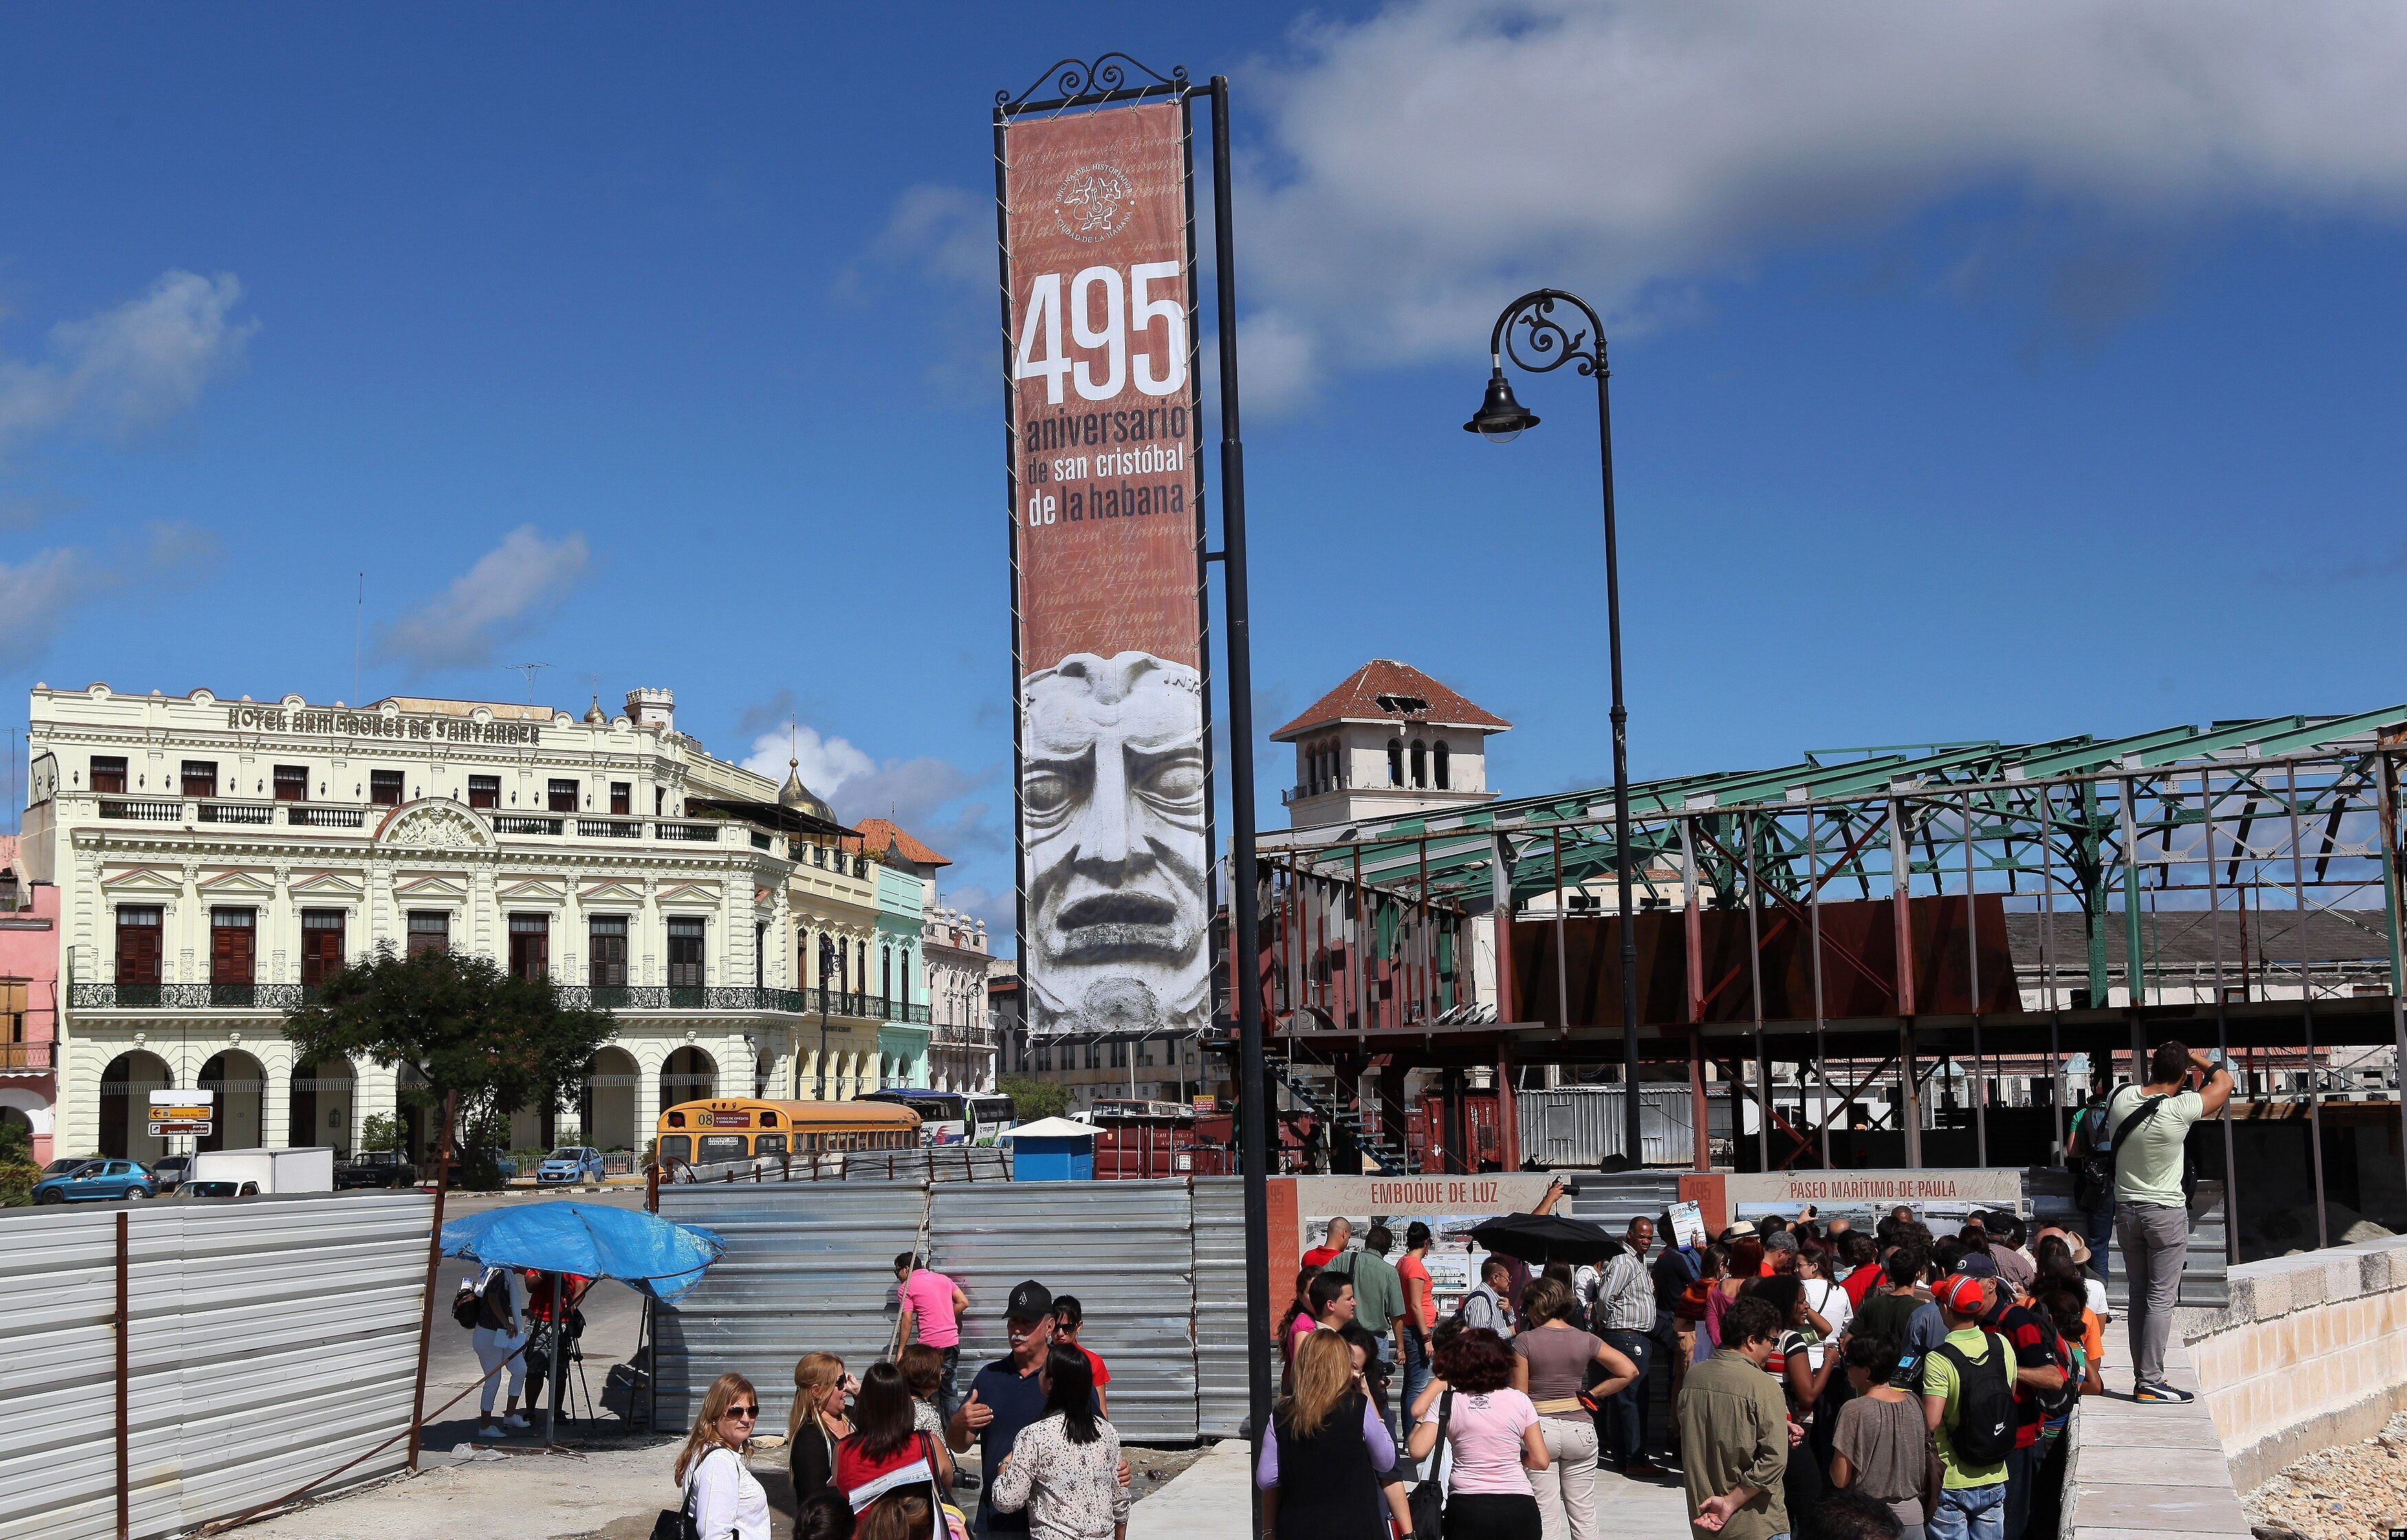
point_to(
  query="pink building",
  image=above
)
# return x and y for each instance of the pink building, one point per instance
(29, 1000)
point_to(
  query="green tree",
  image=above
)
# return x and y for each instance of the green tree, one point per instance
(383, 1131)
(1034, 1099)
(18, 1172)
(484, 1044)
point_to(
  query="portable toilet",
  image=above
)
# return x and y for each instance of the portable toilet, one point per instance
(1053, 1150)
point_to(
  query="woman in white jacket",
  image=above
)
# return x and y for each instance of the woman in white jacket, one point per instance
(725, 1499)
(500, 1340)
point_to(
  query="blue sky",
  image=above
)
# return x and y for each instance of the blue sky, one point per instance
(2002, 374)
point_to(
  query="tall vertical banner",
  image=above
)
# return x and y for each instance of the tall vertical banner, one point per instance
(1106, 506)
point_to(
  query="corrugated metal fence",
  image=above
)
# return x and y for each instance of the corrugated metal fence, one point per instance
(270, 1340)
(806, 1260)
(1582, 1125)
(1219, 1306)
(805, 1265)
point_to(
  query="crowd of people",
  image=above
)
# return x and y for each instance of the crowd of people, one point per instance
(872, 1455)
(1825, 1381)
(1814, 1369)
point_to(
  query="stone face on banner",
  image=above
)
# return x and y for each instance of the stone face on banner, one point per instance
(1107, 545)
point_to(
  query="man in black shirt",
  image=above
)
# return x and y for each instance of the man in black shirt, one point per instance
(1006, 1397)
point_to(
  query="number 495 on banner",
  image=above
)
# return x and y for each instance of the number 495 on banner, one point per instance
(1129, 315)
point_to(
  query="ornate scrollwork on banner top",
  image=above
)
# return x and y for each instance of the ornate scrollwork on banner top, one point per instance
(1537, 341)
(1079, 80)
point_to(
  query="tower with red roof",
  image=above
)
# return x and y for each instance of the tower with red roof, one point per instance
(1389, 740)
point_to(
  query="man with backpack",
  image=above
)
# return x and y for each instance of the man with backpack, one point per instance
(1968, 1403)
(2040, 1390)
(2149, 1126)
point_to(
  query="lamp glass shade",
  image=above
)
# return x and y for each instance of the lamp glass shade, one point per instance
(1501, 419)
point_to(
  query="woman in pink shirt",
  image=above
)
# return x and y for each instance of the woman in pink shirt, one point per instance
(1492, 1431)
(932, 1304)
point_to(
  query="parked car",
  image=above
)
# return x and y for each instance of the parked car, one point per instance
(65, 1164)
(375, 1169)
(169, 1171)
(206, 1189)
(96, 1181)
(574, 1163)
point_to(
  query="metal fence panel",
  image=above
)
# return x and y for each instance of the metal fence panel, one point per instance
(58, 1421)
(270, 1340)
(1582, 1125)
(1220, 1340)
(809, 1268)
(1123, 1247)
(298, 1342)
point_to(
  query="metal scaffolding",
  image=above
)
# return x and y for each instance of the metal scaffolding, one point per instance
(1902, 911)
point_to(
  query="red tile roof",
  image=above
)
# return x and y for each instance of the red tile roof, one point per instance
(877, 834)
(1358, 701)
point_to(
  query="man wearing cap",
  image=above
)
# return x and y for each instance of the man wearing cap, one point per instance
(1006, 1397)
(2039, 1373)
(1972, 1498)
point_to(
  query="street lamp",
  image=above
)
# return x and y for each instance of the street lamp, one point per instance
(1530, 335)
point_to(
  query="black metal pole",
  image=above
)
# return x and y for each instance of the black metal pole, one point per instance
(1548, 345)
(1621, 873)
(1253, 1112)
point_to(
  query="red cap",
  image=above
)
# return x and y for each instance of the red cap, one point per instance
(1962, 1294)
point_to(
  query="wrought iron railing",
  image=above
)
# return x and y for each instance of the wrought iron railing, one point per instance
(701, 834)
(810, 1002)
(519, 823)
(609, 828)
(305, 815)
(123, 997)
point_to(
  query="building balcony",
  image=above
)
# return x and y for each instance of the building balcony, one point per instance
(28, 1058)
(115, 996)
(638, 997)
(531, 822)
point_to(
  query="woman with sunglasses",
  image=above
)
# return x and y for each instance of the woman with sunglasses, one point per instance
(727, 1503)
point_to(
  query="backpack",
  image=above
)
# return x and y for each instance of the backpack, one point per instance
(1984, 1433)
(466, 1305)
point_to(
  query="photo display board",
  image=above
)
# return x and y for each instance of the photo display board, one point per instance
(1114, 784)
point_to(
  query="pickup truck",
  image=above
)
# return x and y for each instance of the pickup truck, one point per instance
(375, 1168)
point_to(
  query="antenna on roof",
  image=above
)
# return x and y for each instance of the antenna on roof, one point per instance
(528, 669)
(358, 623)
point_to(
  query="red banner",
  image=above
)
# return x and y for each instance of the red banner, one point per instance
(1105, 542)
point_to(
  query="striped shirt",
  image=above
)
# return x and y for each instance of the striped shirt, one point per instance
(1625, 1296)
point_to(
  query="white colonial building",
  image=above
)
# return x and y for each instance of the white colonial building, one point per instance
(964, 1053)
(217, 859)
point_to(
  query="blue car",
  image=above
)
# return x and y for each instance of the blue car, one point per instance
(96, 1181)
(574, 1163)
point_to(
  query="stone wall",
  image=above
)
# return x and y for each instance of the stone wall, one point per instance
(2312, 1351)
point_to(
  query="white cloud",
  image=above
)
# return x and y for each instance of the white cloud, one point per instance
(129, 367)
(915, 792)
(1425, 165)
(827, 764)
(35, 597)
(511, 588)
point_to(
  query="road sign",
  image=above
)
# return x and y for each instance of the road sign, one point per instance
(182, 1113)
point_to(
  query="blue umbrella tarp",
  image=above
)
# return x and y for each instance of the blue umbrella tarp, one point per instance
(642, 1250)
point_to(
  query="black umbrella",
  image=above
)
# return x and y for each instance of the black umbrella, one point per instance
(1541, 1238)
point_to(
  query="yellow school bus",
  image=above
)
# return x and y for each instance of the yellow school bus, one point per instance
(733, 1128)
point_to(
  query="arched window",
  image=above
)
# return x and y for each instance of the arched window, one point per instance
(1440, 768)
(1395, 761)
(885, 972)
(1421, 763)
